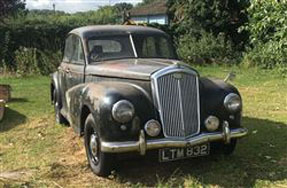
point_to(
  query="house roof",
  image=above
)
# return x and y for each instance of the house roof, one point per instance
(154, 8)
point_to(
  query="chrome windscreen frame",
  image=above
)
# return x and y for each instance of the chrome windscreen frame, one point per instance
(177, 68)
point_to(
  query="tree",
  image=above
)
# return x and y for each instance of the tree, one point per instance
(214, 16)
(10, 7)
(120, 7)
(145, 2)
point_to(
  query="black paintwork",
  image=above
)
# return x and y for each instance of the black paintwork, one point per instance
(98, 86)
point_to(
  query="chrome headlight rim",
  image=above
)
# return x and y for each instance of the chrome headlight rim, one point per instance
(146, 128)
(229, 101)
(117, 111)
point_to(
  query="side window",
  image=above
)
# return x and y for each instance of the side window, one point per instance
(78, 56)
(73, 50)
(68, 49)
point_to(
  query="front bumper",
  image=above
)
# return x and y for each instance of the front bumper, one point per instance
(142, 145)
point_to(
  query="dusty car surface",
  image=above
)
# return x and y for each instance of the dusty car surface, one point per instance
(126, 91)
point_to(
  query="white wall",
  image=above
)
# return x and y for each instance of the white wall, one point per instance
(160, 19)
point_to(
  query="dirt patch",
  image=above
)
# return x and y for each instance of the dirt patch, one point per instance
(21, 175)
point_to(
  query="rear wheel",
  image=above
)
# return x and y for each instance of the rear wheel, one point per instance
(101, 163)
(60, 119)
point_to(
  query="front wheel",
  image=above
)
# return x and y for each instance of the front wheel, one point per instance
(228, 149)
(221, 148)
(100, 163)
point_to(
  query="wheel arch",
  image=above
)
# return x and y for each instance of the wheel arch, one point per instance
(85, 111)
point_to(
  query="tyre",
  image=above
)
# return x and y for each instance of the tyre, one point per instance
(100, 163)
(221, 148)
(228, 149)
(60, 119)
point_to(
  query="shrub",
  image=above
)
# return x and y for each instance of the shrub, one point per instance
(46, 32)
(267, 28)
(206, 49)
(26, 61)
(31, 61)
(48, 61)
(212, 16)
(267, 55)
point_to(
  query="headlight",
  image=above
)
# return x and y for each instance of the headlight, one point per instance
(212, 123)
(232, 102)
(152, 128)
(123, 111)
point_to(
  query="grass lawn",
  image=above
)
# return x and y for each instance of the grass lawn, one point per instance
(36, 152)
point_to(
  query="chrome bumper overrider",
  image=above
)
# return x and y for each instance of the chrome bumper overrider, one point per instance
(142, 145)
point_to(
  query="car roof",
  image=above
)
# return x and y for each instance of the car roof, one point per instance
(102, 30)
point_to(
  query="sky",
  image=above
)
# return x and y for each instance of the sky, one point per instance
(72, 6)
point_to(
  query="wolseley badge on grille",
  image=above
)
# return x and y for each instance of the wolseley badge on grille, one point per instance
(178, 76)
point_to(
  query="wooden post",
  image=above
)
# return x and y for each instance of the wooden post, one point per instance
(2, 109)
(5, 92)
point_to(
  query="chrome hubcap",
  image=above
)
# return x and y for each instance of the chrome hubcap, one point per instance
(94, 146)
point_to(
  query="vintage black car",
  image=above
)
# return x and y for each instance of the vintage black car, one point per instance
(125, 89)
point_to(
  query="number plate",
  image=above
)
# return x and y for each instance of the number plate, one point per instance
(172, 154)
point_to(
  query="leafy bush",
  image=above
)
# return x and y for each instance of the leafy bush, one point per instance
(206, 49)
(212, 16)
(267, 27)
(46, 32)
(267, 21)
(48, 61)
(267, 55)
(26, 61)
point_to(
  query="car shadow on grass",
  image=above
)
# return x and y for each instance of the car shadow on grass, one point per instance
(11, 120)
(260, 157)
(18, 100)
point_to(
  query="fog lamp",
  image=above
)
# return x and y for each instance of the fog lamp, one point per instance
(152, 128)
(212, 123)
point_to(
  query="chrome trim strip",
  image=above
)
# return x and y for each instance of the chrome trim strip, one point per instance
(143, 145)
(181, 107)
(133, 46)
(154, 85)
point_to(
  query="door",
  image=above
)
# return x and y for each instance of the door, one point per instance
(73, 66)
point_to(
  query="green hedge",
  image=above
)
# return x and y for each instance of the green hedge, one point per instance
(268, 36)
(45, 33)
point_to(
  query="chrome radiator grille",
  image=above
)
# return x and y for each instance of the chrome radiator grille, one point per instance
(177, 98)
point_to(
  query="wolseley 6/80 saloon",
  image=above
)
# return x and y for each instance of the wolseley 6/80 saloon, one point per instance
(125, 90)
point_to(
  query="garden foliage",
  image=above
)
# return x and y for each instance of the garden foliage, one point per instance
(43, 33)
(268, 37)
(210, 25)
(205, 31)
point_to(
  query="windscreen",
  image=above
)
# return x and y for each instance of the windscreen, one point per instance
(154, 46)
(110, 47)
